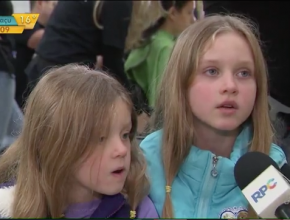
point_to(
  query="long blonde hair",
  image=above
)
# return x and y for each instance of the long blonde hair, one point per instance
(173, 113)
(144, 14)
(61, 115)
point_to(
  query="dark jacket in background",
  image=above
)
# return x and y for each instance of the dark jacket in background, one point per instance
(72, 37)
(24, 55)
(6, 58)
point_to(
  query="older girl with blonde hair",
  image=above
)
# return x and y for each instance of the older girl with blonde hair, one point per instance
(212, 108)
(76, 156)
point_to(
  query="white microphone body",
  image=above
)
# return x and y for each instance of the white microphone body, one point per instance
(267, 192)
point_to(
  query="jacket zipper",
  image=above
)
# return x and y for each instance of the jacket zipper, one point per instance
(209, 183)
(214, 171)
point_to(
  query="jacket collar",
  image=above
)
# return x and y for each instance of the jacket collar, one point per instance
(110, 206)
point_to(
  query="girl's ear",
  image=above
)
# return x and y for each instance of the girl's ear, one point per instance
(171, 13)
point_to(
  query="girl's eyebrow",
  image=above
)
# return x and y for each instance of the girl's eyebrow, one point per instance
(242, 62)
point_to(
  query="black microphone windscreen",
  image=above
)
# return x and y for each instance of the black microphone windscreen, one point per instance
(285, 170)
(250, 166)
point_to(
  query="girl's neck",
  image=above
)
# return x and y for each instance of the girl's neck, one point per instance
(79, 194)
(168, 28)
(218, 142)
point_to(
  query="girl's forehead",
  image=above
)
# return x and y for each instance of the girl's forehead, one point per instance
(118, 111)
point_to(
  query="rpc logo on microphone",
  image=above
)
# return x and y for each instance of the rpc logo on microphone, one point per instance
(271, 184)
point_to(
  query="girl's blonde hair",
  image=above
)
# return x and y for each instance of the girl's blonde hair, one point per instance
(173, 113)
(61, 117)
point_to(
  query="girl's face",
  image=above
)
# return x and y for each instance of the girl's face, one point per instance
(104, 171)
(223, 93)
(182, 18)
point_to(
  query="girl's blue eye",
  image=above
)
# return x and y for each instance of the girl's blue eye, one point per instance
(211, 72)
(126, 136)
(243, 74)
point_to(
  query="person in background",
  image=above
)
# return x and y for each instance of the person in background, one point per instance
(198, 9)
(26, 43)
(10, 114)
(212, 108)
(145, 64)
(78, 31)
(76, 160)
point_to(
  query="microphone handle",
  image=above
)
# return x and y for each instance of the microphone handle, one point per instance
(283, 211)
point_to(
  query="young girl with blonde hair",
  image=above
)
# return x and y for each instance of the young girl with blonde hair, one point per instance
(76, 156)
(211, 109)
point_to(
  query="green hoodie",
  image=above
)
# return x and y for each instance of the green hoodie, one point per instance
(145, 65)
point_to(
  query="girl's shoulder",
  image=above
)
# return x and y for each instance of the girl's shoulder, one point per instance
(151, 145)
(154, 138)
(164, 38)
(278, 155)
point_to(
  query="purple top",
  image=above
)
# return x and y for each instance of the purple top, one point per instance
(146, 209)
(114, 206)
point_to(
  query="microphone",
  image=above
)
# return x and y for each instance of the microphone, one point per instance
(285, 170)
(258, 176)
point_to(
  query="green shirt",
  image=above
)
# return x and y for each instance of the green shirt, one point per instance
(145, 65)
